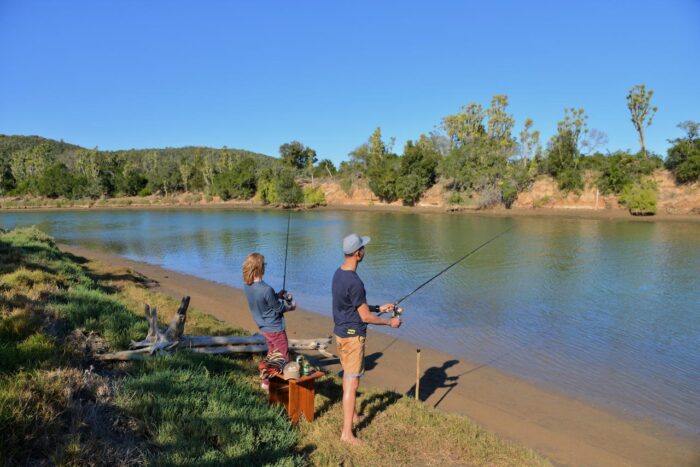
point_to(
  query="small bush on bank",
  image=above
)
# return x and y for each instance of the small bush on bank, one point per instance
(146, 191)
(313, 196)
(640, 198)
(489, 197)
(455, 198)
(621, 169)
(684, 157)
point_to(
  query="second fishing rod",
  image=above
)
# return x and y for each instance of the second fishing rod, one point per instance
(397, 311)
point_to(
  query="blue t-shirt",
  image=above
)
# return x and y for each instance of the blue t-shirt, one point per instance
(348, 294)
(266, 308)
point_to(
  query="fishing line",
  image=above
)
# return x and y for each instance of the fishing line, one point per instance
(286, 250)
(453, 264)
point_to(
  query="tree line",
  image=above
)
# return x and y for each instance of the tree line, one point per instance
(474, 151)
(43, 167)
(477, 151)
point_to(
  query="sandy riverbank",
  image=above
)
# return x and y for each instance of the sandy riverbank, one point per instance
(565, 430)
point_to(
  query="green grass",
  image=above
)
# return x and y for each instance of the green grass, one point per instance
(201, 409)
(400, 431)
(180, 410)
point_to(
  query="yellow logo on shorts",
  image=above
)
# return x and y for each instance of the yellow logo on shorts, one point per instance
(350, 331)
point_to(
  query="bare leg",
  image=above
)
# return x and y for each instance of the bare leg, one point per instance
(349, 396)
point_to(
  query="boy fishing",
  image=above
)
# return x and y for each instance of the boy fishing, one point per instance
(267, 308)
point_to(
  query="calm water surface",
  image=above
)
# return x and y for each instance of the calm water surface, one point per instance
(605, 311)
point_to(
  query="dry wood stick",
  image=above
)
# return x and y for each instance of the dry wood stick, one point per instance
(417, 373)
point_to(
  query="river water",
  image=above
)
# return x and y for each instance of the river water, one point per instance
(605, 311)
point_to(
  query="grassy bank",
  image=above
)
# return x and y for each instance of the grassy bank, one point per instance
(58, 405)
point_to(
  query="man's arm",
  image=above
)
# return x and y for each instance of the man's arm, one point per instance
(367, 317)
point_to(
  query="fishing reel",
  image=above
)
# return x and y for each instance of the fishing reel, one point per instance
(395, 313)
(287, 297)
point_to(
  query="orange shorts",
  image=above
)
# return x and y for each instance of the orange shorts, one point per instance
(352, 355)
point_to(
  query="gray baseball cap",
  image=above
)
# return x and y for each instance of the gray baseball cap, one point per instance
(354, 242)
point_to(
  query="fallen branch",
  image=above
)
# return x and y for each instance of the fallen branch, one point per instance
(172, 339)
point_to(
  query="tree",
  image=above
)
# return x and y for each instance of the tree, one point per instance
(480, 151)
(30, 163)
(380, 166)
(88, 166)
(288, 190)
(684, 156)
(186, 168)
(239, 183)
(208, 170)
(297, 156)
(325, 168)
(529, 142)
(417, 170)
(641, 110)
(465, 126)
(57, 181)
(563, 153)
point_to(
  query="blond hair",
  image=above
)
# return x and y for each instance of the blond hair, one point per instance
(253, 266)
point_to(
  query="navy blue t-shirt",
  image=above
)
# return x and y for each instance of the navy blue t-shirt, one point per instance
(348, 294)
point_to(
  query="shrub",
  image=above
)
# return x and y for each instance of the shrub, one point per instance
(684, 156)
(238, 183)
(455, 198)
(280, 188)
(57, 181)
(383, 177)
(570, 179)
(313, 196)
(489, 197)
(640, 198)
(621, 169)
(346, 185)
(411, 188)
(288, 190)
(509, 193)
(145, 191)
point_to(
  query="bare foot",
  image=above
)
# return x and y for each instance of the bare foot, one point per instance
(351, 440)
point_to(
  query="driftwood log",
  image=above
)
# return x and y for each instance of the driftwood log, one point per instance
(158, 341)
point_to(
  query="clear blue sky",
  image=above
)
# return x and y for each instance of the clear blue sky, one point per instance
(254, 75)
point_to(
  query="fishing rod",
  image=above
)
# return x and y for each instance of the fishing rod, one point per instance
(398, 310)
(286, 250)
(284, 295)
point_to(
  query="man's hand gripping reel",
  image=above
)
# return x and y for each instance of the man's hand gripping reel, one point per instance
(395, 312)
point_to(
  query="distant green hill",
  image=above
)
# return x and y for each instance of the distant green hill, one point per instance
(46, 167)
(13, 143)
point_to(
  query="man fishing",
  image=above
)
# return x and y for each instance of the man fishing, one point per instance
(351, 315)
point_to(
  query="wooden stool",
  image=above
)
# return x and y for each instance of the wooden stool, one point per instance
(297, 395)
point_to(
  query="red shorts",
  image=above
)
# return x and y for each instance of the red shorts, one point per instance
(277, 340)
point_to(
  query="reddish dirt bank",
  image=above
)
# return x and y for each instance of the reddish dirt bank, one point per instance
(543, 196)
(567, 431)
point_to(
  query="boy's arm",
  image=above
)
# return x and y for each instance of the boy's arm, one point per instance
(273, 302)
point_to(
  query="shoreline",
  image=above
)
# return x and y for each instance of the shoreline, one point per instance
(571, 213)
(565, 430)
